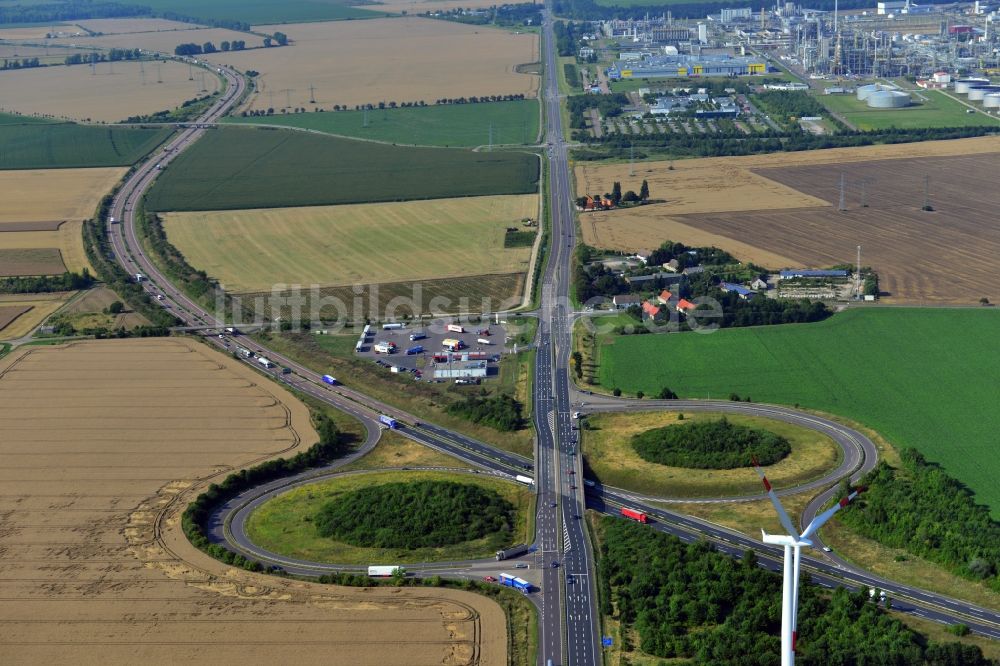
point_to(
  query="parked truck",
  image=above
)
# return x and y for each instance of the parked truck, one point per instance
(417, 336)
(513, 551)
(451, 344)
(483, 341)
(634, 515)
(455, 328)
(330, 379)
(382, 571)
(388, 422)
(383, 347)
(392, 327)
(416, 349)
(515, 582)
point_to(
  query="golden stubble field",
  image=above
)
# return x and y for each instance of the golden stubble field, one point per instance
(381, 60)
(778, 211)
(63, 198)
(102, 445)
(251, 250)
(112, 92)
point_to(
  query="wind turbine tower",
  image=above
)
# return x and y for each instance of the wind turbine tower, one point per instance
(793, 542)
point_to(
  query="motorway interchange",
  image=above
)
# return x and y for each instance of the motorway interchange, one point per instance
(569, 623)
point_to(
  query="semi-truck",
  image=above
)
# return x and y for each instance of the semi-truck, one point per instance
(383, 347)
(367, 330)
(417, 336)
(383, 571)
(244, 352)
(451, 344)
(513, 551)
(455, 328)
(330, 379)
(634, 515)
(524, 479)
(417, 349)
(515, 582)
(388, 422)
(483, 341)
(232, 330)
(392, 327)
(139, 277)
(266, 362)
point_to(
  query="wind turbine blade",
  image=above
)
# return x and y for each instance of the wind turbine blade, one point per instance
(786, 522)
(819, 520)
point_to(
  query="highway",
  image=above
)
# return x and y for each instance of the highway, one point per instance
(569, 624)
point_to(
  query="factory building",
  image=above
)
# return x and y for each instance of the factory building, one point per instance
(664, 66)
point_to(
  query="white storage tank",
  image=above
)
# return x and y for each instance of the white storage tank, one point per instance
(864, 91)
(991, 101)
(977, 93)
(962, 85)
(888, 99)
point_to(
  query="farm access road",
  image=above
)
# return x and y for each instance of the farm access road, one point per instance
(552, 408)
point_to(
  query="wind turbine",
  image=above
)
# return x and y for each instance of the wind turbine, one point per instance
(793, 543)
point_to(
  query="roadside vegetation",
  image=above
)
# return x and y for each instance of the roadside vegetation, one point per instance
(688, 601)
(363, 518)
(919, 508)
(411, 515)
(238, 168)
(454, 125)
(891, 351)
(34, 143)
(717, 444)
(607, 442)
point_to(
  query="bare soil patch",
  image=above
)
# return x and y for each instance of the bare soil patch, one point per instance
(104, 443)
(381, 60)
(31, 261)
(8, 313)
(113, 91)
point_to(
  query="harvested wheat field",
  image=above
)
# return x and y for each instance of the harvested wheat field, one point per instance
(381, 60)
(103, 443)
(251, 250)
(9, 313)
(790, 220)
(36, 202)
(114, 92)
(35, 309)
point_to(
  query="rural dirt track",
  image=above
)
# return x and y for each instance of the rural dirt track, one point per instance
(780, 211)
(103, 443)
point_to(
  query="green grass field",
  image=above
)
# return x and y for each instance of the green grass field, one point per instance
(936, 110)
(283, 525)
(456, 125)
(920, 377)
(33, 143)
(239, 168)
(259, 12)
(250, 250)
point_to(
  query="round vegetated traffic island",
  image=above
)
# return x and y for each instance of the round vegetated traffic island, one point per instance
(701, 455)
(397, 517)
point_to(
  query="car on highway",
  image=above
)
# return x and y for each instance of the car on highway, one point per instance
(827, 549)
(552, 505)
(572, 487)
(555, 565)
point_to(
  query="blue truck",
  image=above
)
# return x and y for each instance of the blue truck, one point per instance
(515, 582)
(414, 350)
(330, 379)
(388, 422)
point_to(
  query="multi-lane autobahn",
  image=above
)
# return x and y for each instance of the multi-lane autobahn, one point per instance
(569, 624)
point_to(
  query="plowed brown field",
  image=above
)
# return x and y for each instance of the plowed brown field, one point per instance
(781, 211)
(102, 444)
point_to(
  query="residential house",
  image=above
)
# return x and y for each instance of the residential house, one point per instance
(685, 305)
(664, 297)
(653, 312)
(759, 284)
(673, 266)
(693, 270)
(624, 301)
(668, 279)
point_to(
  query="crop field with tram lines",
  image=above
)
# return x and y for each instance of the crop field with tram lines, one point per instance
(359, 62)
(903, 372)
(789, 217)
(110, 92)
(112, 438)
(251, 250)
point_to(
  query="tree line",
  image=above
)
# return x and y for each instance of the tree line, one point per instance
(192, 49)
(46, 284)
(331, 445)
(921, 509)
(23, 63)
(501, 411)
(68, 10)
(421, 514)
(712, 444)
(692, 602)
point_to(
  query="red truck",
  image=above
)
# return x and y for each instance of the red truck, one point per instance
(634, 515)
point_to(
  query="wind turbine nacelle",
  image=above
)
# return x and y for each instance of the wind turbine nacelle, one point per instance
(784, 540)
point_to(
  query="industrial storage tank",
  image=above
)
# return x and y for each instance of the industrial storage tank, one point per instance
(962, 85)
(977, 93)
(991, 101)
(888, 99)
(864, 91)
